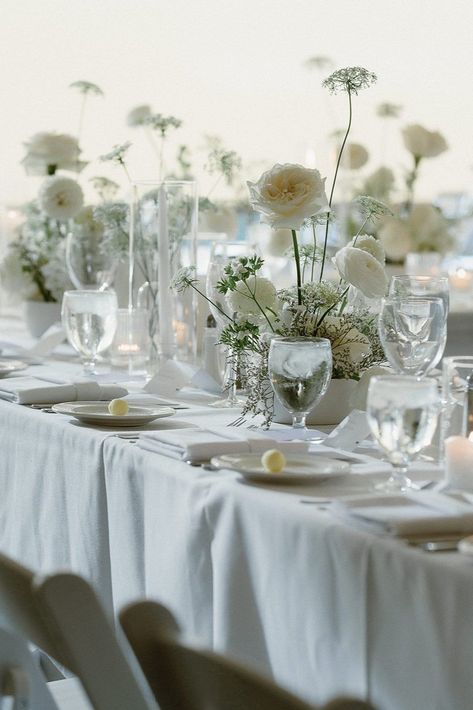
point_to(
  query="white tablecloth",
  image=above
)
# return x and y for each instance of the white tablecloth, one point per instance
(281, 585)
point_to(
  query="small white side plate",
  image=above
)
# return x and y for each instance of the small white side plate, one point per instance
(97, 413)
(8, 367)
(300, 469)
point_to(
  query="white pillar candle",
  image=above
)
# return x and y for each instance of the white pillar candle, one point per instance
(166, 334)
(459, 461)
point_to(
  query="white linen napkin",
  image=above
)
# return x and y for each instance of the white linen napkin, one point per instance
(415, 513)
(32, 390)
(201, 444)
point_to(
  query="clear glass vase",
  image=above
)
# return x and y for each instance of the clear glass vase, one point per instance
(163, 228)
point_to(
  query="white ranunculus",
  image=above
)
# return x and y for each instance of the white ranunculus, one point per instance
(60, 197)
(137, 116)
(423, 143)
(352, 344)
(354, 156)
(360, 393)
(288, 194)
(395, 238)
(360, 269)
(370, 244)
(48, 152)
(240, 301)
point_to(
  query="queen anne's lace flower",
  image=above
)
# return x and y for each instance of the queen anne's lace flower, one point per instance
(60, 197)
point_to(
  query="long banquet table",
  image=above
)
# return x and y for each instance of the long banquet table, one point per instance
(284, 586)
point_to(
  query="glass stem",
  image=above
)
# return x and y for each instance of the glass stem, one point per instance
(89, 366)
(233, 369)
(298, 421)
(399, 474)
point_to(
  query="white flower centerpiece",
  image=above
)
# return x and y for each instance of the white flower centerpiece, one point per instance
(34, 267)
(292, 197)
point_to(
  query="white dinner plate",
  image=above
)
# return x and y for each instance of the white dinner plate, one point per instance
(97, 413)
(7, 367)
(300, 469)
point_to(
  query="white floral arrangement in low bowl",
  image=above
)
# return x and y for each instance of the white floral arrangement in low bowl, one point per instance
(293, 197)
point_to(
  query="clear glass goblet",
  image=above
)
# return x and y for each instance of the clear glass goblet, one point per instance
(90, 321)
(402, 414)
(413, 333)
(404, 286)
(89, 264)
(299, 371)
(222, 254)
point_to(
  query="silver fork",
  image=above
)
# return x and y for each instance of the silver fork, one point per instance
(238, 421)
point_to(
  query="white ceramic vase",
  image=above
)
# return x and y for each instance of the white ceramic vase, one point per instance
(41, 315)
(332, 408)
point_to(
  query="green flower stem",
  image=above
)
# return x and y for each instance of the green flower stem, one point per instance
(315, 252)
(343, 299)
(350, 113)
(359, 231)
(211, 302)
(298, 266)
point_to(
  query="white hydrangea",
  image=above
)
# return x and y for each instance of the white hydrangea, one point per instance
(255, 287)
(60, 197)
(15, 282)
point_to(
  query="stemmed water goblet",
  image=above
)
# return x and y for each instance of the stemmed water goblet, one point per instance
(299, 371)
(404, 286)
(89, 264)
(402, 414)
(412, 331)
(90, 320)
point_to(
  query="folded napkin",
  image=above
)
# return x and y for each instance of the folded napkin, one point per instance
(32, 390)
(201, 444)
(415, 513)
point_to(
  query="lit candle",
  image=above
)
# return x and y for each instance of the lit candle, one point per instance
(180, 330)
(459, 461)
(461, 280)
(166, 335)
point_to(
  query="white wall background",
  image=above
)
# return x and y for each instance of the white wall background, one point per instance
(235, 68)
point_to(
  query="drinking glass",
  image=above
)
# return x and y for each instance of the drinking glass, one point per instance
(413, 333)
(457, 397)
(299, 371)
(88, 263)
(402, 414)
(90, 321)
(222, 254)
(404, 285)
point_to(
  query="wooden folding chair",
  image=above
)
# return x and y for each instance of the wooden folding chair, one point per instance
(184, 677)
(62, 615)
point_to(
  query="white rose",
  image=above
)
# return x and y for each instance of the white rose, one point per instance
(352, 345)
(361, 270)
(241, 301)
(60, 197)
(360, 393)
(354, 156)
(137, 116)
(395, 238)
(48, 152)
(287, 194)
(423, 143)
(370, 244)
